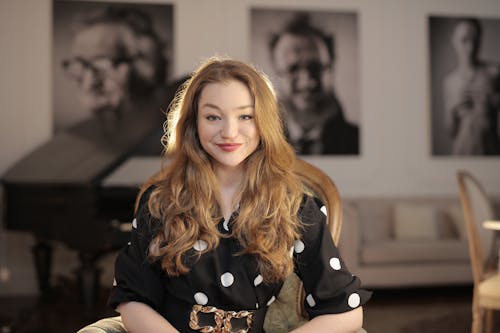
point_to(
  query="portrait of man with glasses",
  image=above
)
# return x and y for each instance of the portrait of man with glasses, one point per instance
(303, 59)
(112, 59)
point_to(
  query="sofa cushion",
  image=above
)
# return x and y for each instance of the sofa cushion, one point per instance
(447, 226)
(375, 220)
(456, 214)
(401, 252)
(415, 222)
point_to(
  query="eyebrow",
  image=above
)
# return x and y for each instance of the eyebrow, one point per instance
(213, 106)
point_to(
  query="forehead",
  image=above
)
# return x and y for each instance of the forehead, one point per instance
(465, 29)
(103, 39)
(226, 95)
(291, 49)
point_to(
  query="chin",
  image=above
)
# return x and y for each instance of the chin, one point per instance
(230, 163)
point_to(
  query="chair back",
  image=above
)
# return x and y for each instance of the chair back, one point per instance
(476, 208)
(322, 186)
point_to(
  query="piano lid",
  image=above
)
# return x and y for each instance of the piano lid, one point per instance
(86, 152)
(134, 172)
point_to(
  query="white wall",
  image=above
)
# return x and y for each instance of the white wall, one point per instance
(396, 157)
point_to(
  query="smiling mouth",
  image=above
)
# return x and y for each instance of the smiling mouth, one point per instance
(229, 146)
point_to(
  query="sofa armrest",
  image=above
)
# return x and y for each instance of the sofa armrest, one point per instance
(106, 325)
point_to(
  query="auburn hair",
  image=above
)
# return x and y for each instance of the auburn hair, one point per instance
(186, 197)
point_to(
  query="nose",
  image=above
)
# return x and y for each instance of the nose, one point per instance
(229, 129)
(306, 80)
(90, 79)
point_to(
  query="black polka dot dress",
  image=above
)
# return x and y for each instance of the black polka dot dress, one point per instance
(226, 281)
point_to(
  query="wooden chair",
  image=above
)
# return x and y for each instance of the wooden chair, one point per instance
(287, 311)
(477, 208)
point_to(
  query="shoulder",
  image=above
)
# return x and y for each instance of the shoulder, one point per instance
(311, 210)
(493, 70)
(312, 220)
(340, 124)
(143, 196)
(145, 222)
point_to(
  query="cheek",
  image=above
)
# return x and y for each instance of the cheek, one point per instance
(284, 86)
(204, 134)
(325, 80)
(254, 134)
(293, 84)
(112, 85)
(119, 79)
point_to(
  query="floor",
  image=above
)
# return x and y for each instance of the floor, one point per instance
(62, 311)
(429, 310)
(444, 309)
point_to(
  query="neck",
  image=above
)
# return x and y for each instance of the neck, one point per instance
(315, 116)
(467, 62)
(229, 180)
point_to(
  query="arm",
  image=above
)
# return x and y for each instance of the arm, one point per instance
(334, 298)
(139, 317)
(347, 322)
(456, 105)
(138, 290)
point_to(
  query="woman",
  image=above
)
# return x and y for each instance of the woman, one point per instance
(471, 95)
(214, 231)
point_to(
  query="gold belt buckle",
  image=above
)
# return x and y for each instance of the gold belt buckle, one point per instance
(222, 319)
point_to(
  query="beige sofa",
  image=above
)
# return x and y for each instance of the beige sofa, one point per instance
(405, 242)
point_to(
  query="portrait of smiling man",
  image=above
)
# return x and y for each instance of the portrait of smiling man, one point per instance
(109, 59)
(306, 55)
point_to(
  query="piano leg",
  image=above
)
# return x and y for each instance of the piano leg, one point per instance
(88, 275)
(88, 278)
(42, 255)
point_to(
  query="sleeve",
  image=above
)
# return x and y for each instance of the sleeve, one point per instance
(136, 278)
(330, 287)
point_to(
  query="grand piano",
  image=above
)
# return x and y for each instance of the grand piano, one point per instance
(75, 189)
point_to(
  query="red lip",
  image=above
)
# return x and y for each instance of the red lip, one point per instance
(229, 146)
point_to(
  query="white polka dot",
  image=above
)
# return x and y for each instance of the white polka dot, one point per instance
(200, 245)
(114, 282)
(335, 263)
(256, 305)
(353, 300)
(298, 246)
(227, 279)
(129, 243)
(258, 280)
(310, 300)
(225, 224)
(323, 210)
(271, 301)
(134, 224)
(201, 298)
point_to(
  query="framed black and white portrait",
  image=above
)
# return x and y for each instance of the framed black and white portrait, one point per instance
(465, 85)
(109, 59)
(313, 61)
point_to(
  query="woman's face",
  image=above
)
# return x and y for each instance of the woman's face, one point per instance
(465, 40)
(226, 124)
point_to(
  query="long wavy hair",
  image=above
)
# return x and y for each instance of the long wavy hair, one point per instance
(186, 198)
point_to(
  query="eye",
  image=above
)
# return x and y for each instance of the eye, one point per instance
(212, 117)
(246, 117)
